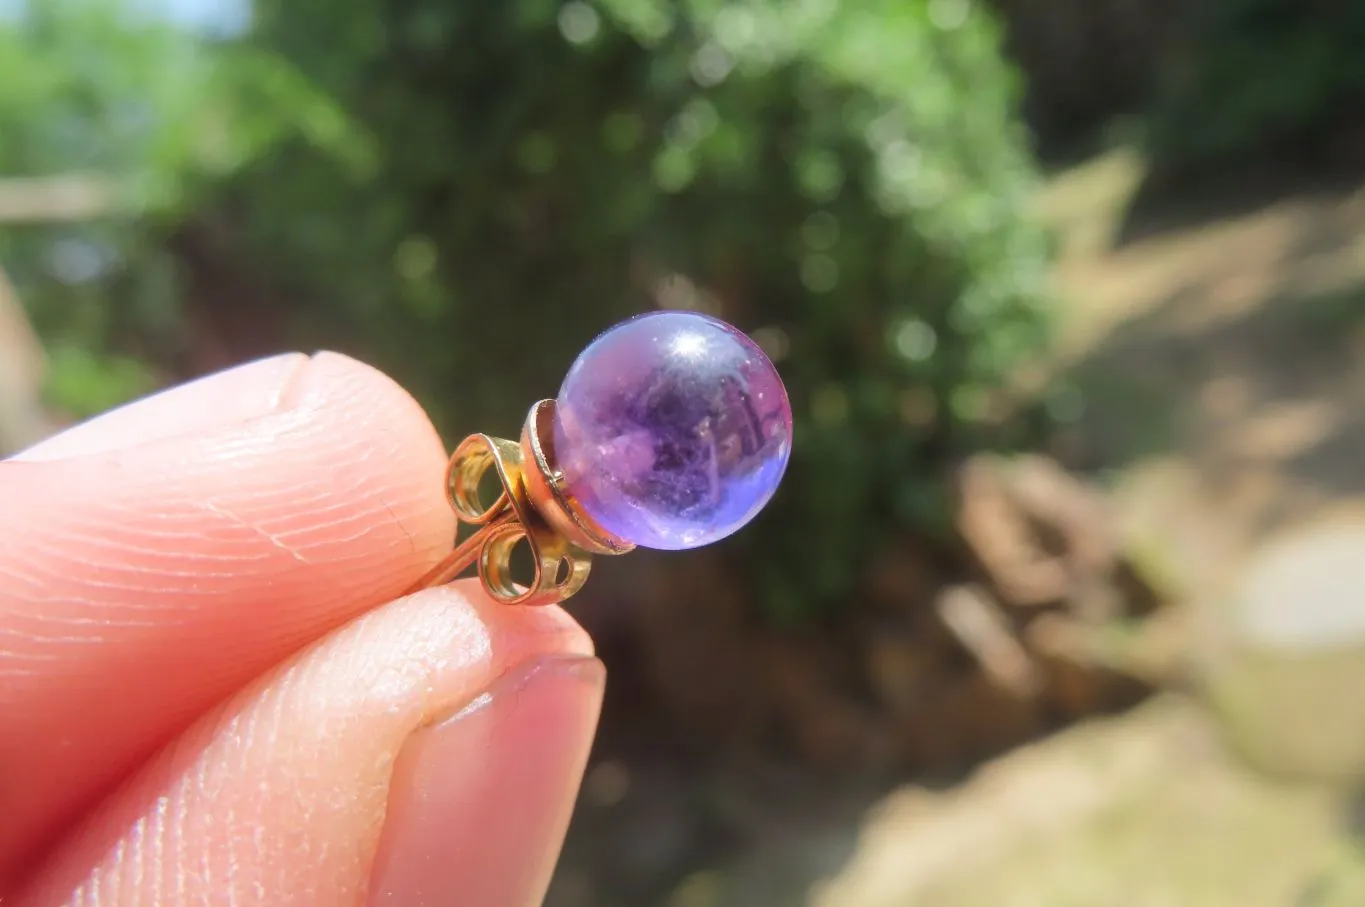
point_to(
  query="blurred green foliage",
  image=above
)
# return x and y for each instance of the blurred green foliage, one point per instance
(1259, 77)
(92, 89)
(844, 180)
(466, 193)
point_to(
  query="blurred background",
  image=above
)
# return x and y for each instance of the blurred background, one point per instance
(1059, 603)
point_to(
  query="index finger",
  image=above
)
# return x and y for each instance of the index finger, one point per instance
(143, 582)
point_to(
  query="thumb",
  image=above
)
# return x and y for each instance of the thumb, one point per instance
(427, 754)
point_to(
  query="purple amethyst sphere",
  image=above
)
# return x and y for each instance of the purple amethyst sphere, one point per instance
(672, 430)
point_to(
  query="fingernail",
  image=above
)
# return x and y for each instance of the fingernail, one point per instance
(479, 803)
(214, 401)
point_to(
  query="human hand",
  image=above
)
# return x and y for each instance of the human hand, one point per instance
(209, 694)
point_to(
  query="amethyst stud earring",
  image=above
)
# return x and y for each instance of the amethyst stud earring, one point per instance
(671, 431)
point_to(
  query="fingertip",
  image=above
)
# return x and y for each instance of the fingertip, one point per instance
(322, 445)
(213, 401)
(376, 435)
(331, 379)
(204, 555)
(479, 804)
(289, 787)
(237, 396)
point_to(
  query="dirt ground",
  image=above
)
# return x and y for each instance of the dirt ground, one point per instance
(1221, 361)
(1218, 359)
(1220, 366)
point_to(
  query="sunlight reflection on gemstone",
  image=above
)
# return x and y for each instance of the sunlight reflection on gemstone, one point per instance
(689, 344)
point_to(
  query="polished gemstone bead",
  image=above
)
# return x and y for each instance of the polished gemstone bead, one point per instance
(672, 430)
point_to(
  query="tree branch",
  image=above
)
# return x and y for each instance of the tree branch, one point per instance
(73, 197)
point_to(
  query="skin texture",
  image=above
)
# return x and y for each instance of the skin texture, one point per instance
(209, 692)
